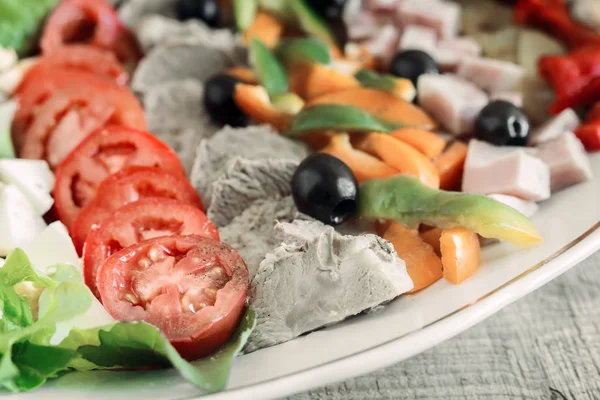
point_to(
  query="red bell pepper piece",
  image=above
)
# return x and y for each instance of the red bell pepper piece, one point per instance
(554, 16)
(589, 135)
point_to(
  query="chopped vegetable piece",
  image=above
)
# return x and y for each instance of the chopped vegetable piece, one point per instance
(362, 164)
(502, 124)
(220, 103)
(264, 28)
(244, 74)
(405, 199)
(589, 134)
(289, 103)
(432, 237)
(7, 112)
(269, 71)
(399, 87)
(254, 101)
(381, 105)
(427, 142)
(335, 117)
(422, 264)
(400, 156)
(310, 22)
(461, 254)
(450, 165)
(311, 81)
(304, 50)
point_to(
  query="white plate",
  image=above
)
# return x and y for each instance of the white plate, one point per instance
(570, 223)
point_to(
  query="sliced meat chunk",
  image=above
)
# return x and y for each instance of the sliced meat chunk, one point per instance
(318, 277)
(492, 75)
(384, 43)
(566, 121)
(527, 208)
(382, 5)
(568, 161)
(450, 52)
(505, 170)
(454, 102)
(134, 10)
(515, 97)
(214, 154)
(245, 181)
(362, 26)
(442, 16)
(175, 113)
(416, 37)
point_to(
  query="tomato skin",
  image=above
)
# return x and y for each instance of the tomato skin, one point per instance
(193, 334)
(101, 154)
(127, 186)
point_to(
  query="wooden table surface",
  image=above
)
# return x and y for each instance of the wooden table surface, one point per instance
(545, 346)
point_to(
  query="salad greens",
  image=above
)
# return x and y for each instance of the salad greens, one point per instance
(33, 306)
(269, 70)
(7, 112)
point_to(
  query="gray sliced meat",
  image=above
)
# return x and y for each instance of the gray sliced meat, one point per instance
(566, 121)
(245, 181)
(318, 277)
(134, 10)
(512, 171)
(251, 233)
(178, 61)
(254, 142)
(568, 161)
(175, 113)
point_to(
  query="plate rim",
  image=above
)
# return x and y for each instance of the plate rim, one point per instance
(418, 341)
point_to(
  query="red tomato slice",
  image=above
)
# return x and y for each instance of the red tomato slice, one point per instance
(92, 22)
(126, 186)
(74, 111)
(193, 289)
(101, 154)
(142, 220)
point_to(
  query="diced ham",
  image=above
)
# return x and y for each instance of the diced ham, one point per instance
(382, 5)
(515, 98)
(451, 51)
(415, 37)
(505, 170)
(384, 44)
(362, 26)
(566, 121)
(442, 16)
(454, 102)
(568, 161)
(492, 75)
(527, 208)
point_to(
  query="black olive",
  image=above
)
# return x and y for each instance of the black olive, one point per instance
(219, 102)
(208, 11)
(411, 64)
(503, 124)
(326, 189)
(331, 10)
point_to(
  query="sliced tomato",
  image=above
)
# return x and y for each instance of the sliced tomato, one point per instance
(101, 154)
(93, 22)
(74, 111)
(126, 186)
(192, 288)
(138, 221)
(100, 62)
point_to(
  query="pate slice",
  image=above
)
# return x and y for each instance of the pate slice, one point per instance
(253, 143)
(176, 61)
(175, 113)
(318, 277)
(252, 232)
(245, 181)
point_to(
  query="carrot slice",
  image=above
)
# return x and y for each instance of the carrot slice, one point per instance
(400, 156)
(461, 254)
(432, 238)
(265, 28)
(362, 164)
(422, 264)
(254, 101)
(450, 165)
(244, 74)
(382, 105)
(428, 143)
(311, 81)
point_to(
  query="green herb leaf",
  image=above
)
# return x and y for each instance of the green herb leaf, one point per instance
(336, 117)
(7, 112)
(304, 50)
(269, 71)
(310, 22)
(371, 79)
(245, 12)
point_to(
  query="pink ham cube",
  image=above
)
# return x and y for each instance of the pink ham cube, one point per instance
(454, 102)
(492, 75)
(451, 51)
(383, 5)
(515, 98)
(416, 37)
(384, 44)
(362, 26)
(527, 208)
(566, 121)
(441, 16)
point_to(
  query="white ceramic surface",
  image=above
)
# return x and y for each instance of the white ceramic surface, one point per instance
(570, 223)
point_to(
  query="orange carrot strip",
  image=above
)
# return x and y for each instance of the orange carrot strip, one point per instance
(450, 165)
(266, 28)
(244, 74)
(400, 156)
(432, 238)
(254, 102)
(428, 143)
(362, 164)
(315, 80)
(422, 264)
(461, 254)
